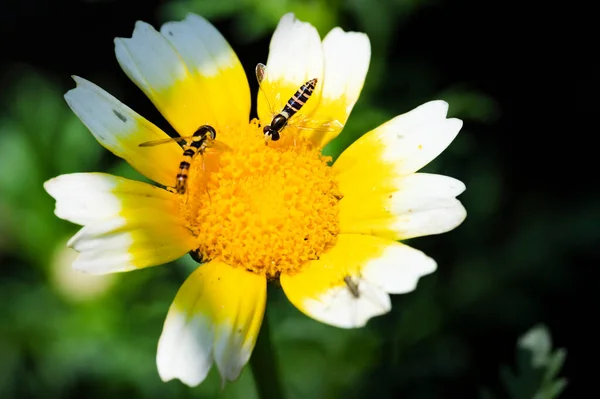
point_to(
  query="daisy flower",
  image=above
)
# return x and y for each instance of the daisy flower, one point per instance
(256, 211)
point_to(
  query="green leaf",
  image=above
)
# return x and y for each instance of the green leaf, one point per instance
(555, 364)
(538, 342)
(537, 367)
(553, 390)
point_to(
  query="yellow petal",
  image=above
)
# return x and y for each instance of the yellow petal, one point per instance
(121, 130)
(295, 56)
(374, 174)
(216, 316)
(350, 283)
(401, 208)
(212, 62)
(189, 72)
(127, 224)
(402, 145)
(346, 58)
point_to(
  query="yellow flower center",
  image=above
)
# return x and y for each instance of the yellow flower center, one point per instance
(268, 209)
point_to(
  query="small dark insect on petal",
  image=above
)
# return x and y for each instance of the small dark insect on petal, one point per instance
(274, 279)
(120, 116)
(197, 256)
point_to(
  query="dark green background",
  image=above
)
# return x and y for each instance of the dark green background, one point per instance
(524, 256)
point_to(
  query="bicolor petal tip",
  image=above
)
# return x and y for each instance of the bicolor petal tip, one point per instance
(350, 283)
(189, 71)
(382, 194)
(127, 224)
(215, 318)
(121, 130)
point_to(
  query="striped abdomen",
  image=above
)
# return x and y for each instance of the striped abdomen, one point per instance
(293, 105)
(184, 167)
(197, 144)
(299, 98)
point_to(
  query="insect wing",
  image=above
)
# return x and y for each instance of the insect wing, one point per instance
(261, 72)
(268, 89)
(165, 141)
(218, 146)
(302, 122)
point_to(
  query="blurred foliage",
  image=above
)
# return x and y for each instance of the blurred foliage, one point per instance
(537, 371)
(64, 334)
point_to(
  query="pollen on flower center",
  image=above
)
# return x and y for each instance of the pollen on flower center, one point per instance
(268, 209)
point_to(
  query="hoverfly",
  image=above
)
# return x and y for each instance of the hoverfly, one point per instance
(197, 143)
(284, 116)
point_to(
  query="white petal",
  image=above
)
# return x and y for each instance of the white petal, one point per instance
(398, 269)
(185, 347)
(149, 60)
(295, 53)
(419, 136)
(347, 56)
(295, 56)
(85, 198)
(340, 308)
(404, 144)
(350, 283)
(210, 59)
(127, 224)
(122, 244)
(216, 316)
(121, 130)
(200, 45)
(425, 204)
(231, 352)
(154, 65)
(346, 62)
(399, 208)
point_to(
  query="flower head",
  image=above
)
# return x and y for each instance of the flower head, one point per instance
(253, 207)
